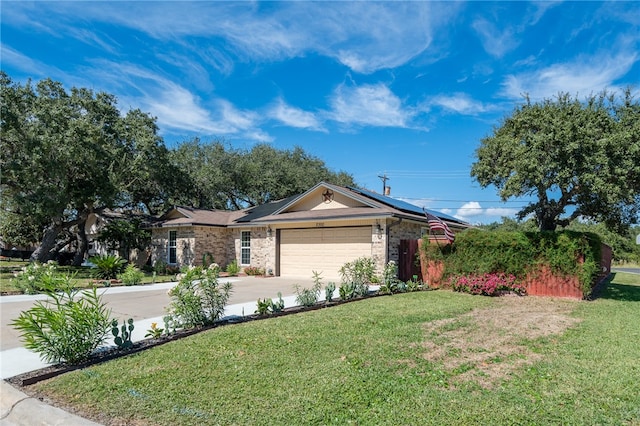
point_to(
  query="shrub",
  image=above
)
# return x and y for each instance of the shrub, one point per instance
(360, 271)
(264, 306)
(36, 277)
(486, 284)
(160, 267)
(390, 282)
(253, 270)
(233, 268)
(279, 305)
(66, 327)
(108, 266)
(131, 275)
(328, 291)
(309, 296)
(198, 299)
(477, 252)
(207, 259)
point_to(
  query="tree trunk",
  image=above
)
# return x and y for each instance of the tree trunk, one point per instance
(83, 244)
(45, 251)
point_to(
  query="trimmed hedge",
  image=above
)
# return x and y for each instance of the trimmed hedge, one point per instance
(478, 251)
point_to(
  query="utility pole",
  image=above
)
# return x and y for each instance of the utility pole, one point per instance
(384, 178)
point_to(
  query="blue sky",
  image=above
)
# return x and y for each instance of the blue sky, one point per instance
(406, 89)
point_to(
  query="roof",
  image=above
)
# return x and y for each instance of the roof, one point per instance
(404, 206)
(369, 205)
(189, 216)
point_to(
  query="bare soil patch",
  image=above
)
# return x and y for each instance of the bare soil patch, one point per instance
(487, 345)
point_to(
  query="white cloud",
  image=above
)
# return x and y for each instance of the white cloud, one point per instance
(501, 211)
(364, 36)
(585, 75)
(472, 211)
(469, 209)
(496, 41)
(177, 108)
(371, 105)
(294, 117)
(460, 103)
(22, 62)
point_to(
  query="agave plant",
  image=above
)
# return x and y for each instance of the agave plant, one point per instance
(108, 266)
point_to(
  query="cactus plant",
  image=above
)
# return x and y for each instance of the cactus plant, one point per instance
(122, 335)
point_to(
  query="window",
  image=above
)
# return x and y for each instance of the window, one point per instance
(245, 247)
(173, 244)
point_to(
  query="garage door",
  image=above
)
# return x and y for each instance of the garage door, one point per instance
(325, 250)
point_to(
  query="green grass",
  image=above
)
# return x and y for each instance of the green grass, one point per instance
(364, 363)
(83, 276)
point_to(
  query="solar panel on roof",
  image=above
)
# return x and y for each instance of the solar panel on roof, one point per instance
(401, 205)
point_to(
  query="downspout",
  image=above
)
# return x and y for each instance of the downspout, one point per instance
(386, 260)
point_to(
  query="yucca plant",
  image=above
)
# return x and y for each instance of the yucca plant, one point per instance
(108, 266)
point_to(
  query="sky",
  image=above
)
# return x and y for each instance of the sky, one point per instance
(405, 90)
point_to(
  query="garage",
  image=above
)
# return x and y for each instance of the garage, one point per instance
(325, 250)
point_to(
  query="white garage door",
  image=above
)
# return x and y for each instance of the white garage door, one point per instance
(325, 250)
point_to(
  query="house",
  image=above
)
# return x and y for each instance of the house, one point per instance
(318, 230)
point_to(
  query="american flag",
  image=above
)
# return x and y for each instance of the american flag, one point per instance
(436, 223)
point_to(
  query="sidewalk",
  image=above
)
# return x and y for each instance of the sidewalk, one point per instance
(16, 408)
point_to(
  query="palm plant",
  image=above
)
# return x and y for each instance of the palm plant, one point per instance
(108, 266)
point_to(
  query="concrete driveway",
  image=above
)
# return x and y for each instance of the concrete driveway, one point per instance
(148, 301)
(628, 270)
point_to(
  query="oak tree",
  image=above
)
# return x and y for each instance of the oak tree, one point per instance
(578, 159)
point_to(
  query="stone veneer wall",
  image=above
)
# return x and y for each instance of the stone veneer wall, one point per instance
(263, 248)
(379, 247)
(402, 231)
(185, 243)
(216, 241)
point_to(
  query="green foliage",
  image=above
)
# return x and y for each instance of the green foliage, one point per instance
(233, 268)
(390, 282)
(268, 306)
(264, 306)
(328, 291)
(278, 305)
(123, 235)
(154, 332)
(69, 153)
(67, 327)
(360, 271)
(309, 296)
(477, 252)
(487, 284)
(160, 267)
(207, 259)
(356, 276)
(199, 298)
(122, 335)
(36, 277)
(131, 275)
(108, 266)
(568, 153)
(224, 177)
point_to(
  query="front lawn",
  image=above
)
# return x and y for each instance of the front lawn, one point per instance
(82, 277)
(438, 357)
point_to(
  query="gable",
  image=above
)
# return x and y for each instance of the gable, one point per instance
(324, 198)
(174, 213)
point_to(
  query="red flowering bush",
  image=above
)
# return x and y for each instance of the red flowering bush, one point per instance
(487, 284)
